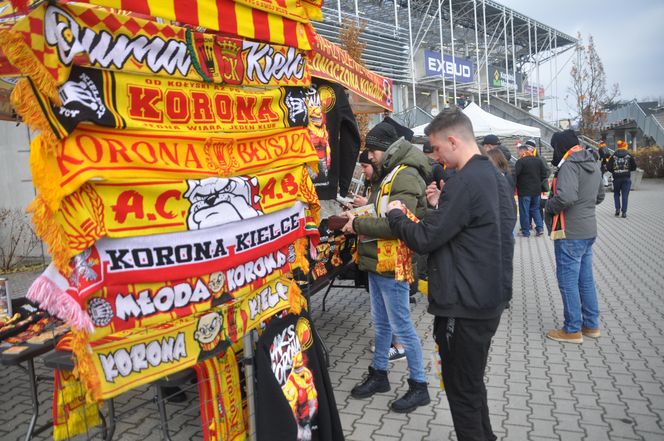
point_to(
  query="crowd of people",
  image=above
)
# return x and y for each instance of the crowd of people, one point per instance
(452, 205)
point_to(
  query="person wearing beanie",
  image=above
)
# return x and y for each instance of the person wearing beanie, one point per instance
(400, 173)
(570, 216)
(621, 165)
(469, 240)
(530, 173)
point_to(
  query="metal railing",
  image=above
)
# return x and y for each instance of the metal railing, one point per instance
(648, 124)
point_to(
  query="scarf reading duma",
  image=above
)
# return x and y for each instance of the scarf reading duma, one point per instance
(126, 101)
(138, 208)
(98, 153)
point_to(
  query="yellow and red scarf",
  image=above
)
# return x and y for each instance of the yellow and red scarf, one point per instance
(220, 397)
(126, 101)
(130, 208)
(558, 222)
(129, 359)
(98, 153)
(52, 38)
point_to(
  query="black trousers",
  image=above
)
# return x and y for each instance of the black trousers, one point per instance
(464, 349)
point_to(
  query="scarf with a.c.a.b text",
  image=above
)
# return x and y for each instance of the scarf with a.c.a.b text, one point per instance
(130, 208)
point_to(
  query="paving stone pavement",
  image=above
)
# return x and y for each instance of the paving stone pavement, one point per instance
(606, 389)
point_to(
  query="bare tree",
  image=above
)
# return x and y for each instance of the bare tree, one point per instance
(590, 90)
(349, 40)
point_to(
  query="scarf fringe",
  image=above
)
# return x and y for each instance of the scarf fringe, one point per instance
(27, 107)
(296, 299)
(52, 233)
(21, 56)
(40, 160)
(51, 298)
(301, 260)
(85, 367)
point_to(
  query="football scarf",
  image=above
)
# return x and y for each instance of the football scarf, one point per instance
(134, 306)
(97, 153)
(72, 415)
(255, 19)
(132, 208)
(171, 256)
(329, 62)
(52, 38)
(220, 397)
(392, 254)
(128, 359)
(558, 222)
(125, 101)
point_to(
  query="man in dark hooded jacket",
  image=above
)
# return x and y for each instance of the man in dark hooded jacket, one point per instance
(621, 165)
(401, 170)
(577, 189)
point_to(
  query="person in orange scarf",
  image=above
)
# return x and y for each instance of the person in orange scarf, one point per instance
(577, 189)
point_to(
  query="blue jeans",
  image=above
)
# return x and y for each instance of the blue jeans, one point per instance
(621, 186)
(390, 311)
(574, 270)
(529, 208)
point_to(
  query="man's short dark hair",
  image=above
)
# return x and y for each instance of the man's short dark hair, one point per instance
(451, 120)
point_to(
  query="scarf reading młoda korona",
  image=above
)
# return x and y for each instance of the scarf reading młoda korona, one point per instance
(165, 257)
(126, 101)
(130, 208)
(51, 38)
(392, 254)
(558, 223)
(128, 359)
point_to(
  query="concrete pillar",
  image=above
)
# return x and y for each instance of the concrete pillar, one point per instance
(435, 106)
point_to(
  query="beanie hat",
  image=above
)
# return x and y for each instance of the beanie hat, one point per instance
(531, 143)
(491, 139)
(401, 130)
(381, 137)
(426, 148)
(622, 145)
(561, 143)
(364, 157)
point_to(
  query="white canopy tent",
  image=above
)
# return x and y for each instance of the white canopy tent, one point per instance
(485, 123)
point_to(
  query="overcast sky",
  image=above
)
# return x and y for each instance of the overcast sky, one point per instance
(629, 37)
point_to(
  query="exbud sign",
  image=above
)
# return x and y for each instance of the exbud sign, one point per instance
(458, 68)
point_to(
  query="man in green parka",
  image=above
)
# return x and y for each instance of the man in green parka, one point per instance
(401, 172)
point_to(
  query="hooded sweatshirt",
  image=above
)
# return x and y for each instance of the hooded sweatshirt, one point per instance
(579, 189)
(408, 187)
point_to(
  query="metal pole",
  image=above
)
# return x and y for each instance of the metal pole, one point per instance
(477, 54)
(507, 89)
(516, 85)
(442, 59)
(249, 379)
(453, 55)
(486, 57)
(396, 19)
(539, 102)
(412, 56)
(530, 68)
(550, 67)
(555, 60)
(357, 11)
(339, 10)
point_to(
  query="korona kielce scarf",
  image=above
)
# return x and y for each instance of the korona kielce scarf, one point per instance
(130, 208)
(165, 257)
(392, 254)
(133, 306)
(52, 38)
(126, 360)
(558, 222)
(220, 397)
(126, 101)
(98, 153)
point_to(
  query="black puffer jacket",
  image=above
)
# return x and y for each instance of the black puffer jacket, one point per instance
(469, 241)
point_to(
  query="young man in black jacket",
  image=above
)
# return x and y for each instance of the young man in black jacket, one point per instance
(469, 240)
(530, 172)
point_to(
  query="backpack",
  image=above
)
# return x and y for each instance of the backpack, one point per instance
(621, 165)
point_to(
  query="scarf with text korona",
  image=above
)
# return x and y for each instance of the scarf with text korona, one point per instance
(172, 256)
(97, 153)
(131, 208)
(126, 101)
(45, 44)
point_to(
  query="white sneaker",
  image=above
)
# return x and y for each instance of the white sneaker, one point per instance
(396, 354)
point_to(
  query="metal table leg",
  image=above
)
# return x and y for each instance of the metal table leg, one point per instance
(111, 419)
(161, 405)
(35, 399)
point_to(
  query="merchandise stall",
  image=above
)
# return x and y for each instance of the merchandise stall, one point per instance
(182, 157)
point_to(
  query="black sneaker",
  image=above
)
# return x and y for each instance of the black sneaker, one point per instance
(539, 233)
(617, 213)
(624, 215)
(417, 395)
(396, 354)
(375, 382)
